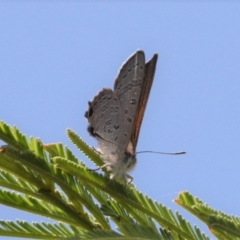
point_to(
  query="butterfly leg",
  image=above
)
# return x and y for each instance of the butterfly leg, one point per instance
(129, 179)
(97, 150)
(103, 166)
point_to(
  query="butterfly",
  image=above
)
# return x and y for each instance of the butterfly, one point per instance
(115, 116)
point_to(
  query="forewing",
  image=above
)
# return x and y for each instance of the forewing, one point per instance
(128, 87)
(146, 88)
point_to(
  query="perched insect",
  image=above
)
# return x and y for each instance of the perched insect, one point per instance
(115, 116)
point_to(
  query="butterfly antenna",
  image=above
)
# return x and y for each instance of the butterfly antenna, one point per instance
(173, 153)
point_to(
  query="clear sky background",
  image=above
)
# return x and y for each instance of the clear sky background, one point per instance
(55, 56)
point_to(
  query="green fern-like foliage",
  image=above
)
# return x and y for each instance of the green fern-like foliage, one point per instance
(48, 180)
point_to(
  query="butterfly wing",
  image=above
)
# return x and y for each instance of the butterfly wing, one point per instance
(133, 86)
(128, 87)
(105, 122)
(146, 88)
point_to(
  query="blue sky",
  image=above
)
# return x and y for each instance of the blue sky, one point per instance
(55, 56)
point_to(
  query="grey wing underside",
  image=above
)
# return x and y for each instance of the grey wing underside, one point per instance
(128, 86)
(150, 68)
(133, 85)
(105, 115)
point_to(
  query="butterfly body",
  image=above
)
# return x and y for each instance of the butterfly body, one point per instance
(115, 116)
